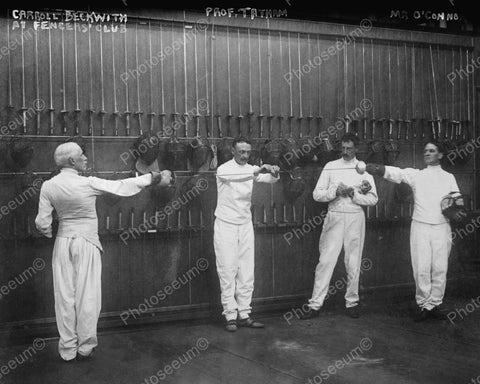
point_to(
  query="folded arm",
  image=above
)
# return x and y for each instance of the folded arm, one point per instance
(369, 198)
(325, 190)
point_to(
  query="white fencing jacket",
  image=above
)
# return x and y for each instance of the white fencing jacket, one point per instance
(73, 198)
(235, 185)
(429, 186)
(341, 171)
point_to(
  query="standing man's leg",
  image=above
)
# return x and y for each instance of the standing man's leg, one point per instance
(441, 246)
(353, 245)
(330, 245)
(64, 290)
(421, 253)
(246, 270)
(88, 294)
(225, 241)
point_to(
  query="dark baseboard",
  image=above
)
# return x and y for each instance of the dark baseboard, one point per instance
(19, 332)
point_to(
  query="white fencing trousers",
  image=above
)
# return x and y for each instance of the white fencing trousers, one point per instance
(345, 230)
(77, 269)
(430, 246)
(235, 256)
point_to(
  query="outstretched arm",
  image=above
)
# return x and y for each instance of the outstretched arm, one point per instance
(399, 175)
(393, 174)
(260, 174)
(226, 177)
(268, 174)
(125, 187)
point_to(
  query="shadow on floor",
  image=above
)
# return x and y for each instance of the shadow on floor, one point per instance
(383, 346)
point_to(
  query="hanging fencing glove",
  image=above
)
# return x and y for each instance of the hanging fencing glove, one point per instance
(375, 169)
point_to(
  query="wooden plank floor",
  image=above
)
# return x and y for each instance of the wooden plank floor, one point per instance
(383, 346)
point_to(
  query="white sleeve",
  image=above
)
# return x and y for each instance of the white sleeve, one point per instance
(266, 178)
(370, 198)
(126, 187)
(399, 175)
(43, 221)
(325, 190)
(454, 185)
(225, 175)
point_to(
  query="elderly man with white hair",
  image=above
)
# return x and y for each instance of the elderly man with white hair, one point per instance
(76, 259)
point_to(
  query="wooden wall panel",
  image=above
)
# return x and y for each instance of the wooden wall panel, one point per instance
(240, 68)
(264, 263)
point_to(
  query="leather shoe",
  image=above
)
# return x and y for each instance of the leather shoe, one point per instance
(88, 357)
(250, 323)
(421, 315)
(438, 313)
(312, 313)
(68, 361)
(353, 312)
(231, 325)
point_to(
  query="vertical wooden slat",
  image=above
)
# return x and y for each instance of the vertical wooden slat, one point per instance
(134, 272)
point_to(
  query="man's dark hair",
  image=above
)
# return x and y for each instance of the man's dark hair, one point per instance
(240, 139)
(441, 148)
(351, 137)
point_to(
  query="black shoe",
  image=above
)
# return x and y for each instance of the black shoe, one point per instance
(438, 313)
(231, 325)
(88, 357)
(353, 312)
(310, 314)
(68, 361)
(250, 323)
(422, 314)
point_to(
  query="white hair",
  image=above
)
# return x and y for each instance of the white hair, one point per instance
(65, 151)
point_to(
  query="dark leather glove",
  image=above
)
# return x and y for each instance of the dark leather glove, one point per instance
(375, 169)
(349, 192)
(163, 178)
(365, 187)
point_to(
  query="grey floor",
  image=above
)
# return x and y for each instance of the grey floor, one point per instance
(383, 346)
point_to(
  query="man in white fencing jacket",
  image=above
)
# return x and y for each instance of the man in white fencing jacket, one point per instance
(346, 191)
(430, 233)
(76, 259)
(234, 240)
